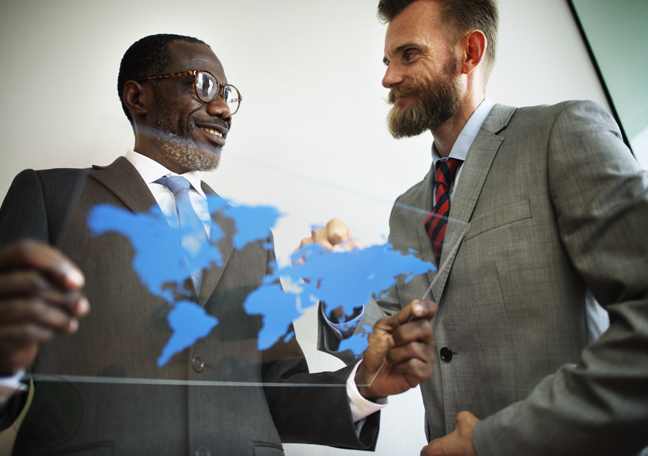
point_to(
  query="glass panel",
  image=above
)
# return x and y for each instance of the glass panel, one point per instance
(154, 354)
(617, 34)
(148, 326)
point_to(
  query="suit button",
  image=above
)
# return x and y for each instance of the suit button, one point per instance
(198, 365)
(446, 354)
(203, 451)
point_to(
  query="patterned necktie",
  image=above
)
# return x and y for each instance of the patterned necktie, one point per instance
(188, 220)
(436, 223)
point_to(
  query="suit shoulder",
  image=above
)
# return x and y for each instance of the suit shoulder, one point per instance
(57, 180)
(57, 174)
(562, 108)
(412, 195)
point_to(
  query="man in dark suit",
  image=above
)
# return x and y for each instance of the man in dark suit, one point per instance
(98, 390)
(558, 210)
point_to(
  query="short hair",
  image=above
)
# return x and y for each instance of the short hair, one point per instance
(462, 15)
(145, 58)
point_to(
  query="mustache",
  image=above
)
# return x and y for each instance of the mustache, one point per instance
(216, 121)
(415, 87)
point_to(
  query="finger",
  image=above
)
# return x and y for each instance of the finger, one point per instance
(465, 417)
(15, 338)
(33, 284)
(35, 311)
(51, 262)
(435, 448)
(336, 231)
(320, 236)
(415, 310)
(413, 350)
(416, 330)
(414, 371)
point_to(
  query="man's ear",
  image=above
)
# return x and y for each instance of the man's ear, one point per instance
(473, 46)
(136, 98)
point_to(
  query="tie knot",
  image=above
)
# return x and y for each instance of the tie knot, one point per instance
(175, 183)
(446, 170)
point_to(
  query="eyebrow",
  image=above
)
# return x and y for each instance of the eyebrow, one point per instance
(401, 48)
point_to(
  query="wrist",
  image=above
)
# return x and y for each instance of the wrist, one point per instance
(362, 381)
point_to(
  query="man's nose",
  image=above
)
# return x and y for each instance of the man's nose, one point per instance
(392, 77)
(218, 108)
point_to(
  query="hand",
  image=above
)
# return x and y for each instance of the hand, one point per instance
(405, 344)
(334, 236)
(459, 442)
(40, 296)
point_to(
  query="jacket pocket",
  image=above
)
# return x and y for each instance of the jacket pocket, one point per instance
(498, 218)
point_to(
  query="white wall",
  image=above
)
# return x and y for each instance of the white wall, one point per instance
(310, 137)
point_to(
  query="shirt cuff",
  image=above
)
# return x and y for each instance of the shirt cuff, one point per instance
(11, 385)
(361, 407)
(343, 330)
(13, 382)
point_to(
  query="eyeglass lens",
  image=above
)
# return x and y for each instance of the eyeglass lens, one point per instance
(207, 89)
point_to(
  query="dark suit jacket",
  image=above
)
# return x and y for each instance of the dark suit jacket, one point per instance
(558, 208)
(146, 409)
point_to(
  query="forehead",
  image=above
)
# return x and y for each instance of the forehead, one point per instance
(193, 56)
(419, 23)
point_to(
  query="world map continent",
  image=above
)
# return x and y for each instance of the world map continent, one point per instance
(346, 279)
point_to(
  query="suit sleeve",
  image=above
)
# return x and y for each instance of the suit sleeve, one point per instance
(22, 216)
(600, 405)
(328, 341)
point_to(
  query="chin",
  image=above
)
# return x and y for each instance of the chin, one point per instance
(190, 157)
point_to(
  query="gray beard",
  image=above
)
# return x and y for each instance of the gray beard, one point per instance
(174, 141)
(436, 102)
(182, 151)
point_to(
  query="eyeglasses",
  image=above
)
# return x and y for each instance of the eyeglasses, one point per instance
(207, 88)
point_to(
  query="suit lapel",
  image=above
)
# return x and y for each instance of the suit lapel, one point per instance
(212, 276)
(473, 175)
(418, 221)
(122, 179)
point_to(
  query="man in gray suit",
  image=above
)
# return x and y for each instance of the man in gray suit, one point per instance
(98, 390)
(558, 213)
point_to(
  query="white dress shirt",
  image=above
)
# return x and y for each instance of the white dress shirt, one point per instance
(150, 170)
(464, 141)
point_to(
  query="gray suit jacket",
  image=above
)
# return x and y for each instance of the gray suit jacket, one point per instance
(126, 330)
(558, 208)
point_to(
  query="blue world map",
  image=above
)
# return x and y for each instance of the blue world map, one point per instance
(346, 279)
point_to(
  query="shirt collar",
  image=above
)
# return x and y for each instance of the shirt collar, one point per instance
(150, 170)
(468, 134)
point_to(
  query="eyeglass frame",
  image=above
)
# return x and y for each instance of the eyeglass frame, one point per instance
(221, 87)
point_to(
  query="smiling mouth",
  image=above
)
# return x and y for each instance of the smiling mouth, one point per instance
(211, 132)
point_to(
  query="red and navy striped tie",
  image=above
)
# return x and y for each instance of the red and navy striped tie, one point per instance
(436, 223)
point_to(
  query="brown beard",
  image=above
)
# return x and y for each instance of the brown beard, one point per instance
(436, 102)
(174, 141)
